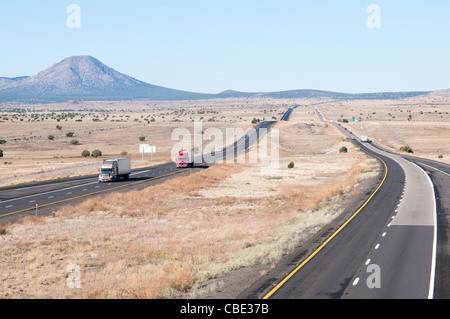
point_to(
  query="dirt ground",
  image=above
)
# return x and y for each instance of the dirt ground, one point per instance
(422, 123)
(173, 244)
(230, 223)
(114, 128)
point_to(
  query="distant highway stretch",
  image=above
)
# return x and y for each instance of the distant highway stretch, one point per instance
(287, 114)
(386, 249)
(44, 197)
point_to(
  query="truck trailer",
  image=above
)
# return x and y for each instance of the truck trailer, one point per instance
(115, 169)
(185, 159)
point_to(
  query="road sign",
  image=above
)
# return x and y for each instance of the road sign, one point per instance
(145, 148)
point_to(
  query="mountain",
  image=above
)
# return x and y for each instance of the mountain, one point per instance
(84, 78)
(310, 94)
(282, 94)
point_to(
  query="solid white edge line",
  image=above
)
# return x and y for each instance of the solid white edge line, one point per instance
(434, 168)
(433, 259)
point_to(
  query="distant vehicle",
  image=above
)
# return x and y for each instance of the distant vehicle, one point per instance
(114, 169)
(365, 139)
(185, 159)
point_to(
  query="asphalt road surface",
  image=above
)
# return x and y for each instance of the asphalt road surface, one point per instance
(387, 249)
(440, 177)
(287, 114)
(439, 174)
(406, 250)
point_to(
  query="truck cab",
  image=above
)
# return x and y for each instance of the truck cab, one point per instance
(185, 159)
(114, 169)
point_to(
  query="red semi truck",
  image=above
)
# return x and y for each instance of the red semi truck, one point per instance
(185, 159)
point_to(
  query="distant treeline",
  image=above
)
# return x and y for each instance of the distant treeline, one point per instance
(227, 94)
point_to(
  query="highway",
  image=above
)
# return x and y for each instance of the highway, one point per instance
(406, 254)
(440, 176)
(42, 198)
(287, 114)
(388, 246)
(386, 249)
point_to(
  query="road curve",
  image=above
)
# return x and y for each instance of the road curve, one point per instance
(327, 271)
(406, 250)
(386, 250)
(440, 176)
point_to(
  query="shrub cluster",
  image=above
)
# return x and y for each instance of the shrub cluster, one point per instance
(95, 153)
(406, 149)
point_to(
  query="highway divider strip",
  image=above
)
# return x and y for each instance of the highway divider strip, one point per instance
(99, 192)
(335, 233)
(94, 193)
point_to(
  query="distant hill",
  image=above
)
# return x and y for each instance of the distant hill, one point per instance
(283, 94)
(440, 94)
(10, 82)
(323, 94)
(86, 78)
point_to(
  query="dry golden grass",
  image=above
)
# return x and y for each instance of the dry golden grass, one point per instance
(117, 128)
(421, 123)
(161, 241)
(307, 197)
(157, 200)
(174, 238)
(3, 229)
(36, 220)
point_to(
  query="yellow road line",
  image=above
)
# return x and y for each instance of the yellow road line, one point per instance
(335, 233)
(95, 193)
(90, 194)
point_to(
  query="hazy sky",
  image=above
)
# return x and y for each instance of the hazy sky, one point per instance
(247, 45)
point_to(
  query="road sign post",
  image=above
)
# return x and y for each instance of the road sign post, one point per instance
(145, 148)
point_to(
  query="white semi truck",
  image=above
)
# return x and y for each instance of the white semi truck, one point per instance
(114, 169)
